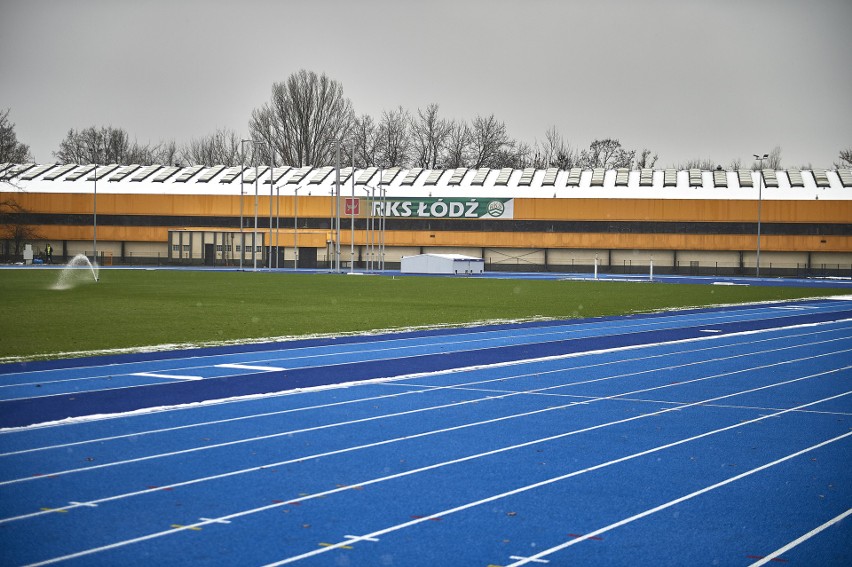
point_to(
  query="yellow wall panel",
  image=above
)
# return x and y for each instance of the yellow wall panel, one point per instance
(673, 210)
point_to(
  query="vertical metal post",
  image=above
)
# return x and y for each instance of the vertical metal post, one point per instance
(95, 219)
(352, 219)
(254, 237)
(296, 229)
(271, 163)
(277, 222)
(242, 170)
(337, 212)
(759, 205)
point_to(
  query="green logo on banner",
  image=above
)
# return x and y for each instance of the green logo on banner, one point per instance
(496, 208)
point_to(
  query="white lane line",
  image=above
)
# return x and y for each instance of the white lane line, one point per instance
(251, 367)
(420, 410)
(782, 550)
(711, 330)
(379, 533)
(542, 390)
(462, 385)
(167, 376)
(553, 480)
(426, 434)
(684, 498)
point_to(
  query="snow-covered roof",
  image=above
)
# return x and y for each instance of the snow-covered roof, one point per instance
(576, 183)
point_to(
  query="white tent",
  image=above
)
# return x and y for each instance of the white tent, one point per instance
(442, 264)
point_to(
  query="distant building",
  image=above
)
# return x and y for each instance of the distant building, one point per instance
(689, 221)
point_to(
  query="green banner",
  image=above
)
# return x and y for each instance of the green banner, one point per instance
(444, 208)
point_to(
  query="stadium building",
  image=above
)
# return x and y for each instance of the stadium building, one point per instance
(684, 221)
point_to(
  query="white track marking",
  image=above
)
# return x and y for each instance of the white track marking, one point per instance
(553, 480)
(408, 473)
(250, 367)
(782, 550)
(400, 381)
(165, 376)
(410, 412)
(456, 461)
(684, 498)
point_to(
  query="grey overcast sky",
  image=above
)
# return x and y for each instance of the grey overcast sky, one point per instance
(688, 79)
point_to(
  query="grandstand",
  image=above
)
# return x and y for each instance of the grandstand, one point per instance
(687, 221)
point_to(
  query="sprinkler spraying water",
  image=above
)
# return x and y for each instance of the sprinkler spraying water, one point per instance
(75, 272)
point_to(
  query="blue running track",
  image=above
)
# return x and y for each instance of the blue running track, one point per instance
(707, 437)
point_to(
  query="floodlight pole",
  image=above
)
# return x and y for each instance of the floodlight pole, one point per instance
(95, 218)
(271, 186)
(759, 205)
(337, 212)
(242, 169)
(352, 219)
(277, 222)
(296, 228)
(256, 190)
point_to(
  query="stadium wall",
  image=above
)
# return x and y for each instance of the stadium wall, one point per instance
(681, 229)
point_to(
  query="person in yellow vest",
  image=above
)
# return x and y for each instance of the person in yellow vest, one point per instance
(48, 253)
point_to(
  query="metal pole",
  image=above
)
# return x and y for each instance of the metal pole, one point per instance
(759, 205)
(95, 220)
(271, 162)
(352, 219)
(296, 229)
(370, 231)
(337, 213)
(383, 224)
(254, 237)
(277, 222)
(242, 169)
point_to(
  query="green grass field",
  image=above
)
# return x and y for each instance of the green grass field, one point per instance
(134, 308)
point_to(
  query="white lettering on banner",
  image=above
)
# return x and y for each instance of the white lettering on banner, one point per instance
(440, 208)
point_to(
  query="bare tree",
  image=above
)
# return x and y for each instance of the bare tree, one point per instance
(845, 159)
(394, 138)
(457, 150)
(606, 153)
(220, 148)
(554, 151)
(110, 145)
(488, 142)
(645, 160)
(11, 150)
(705, 164)
(305, 118)
(364, 142)
(16, 228)
(429, 137)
